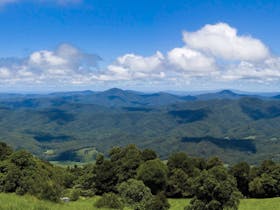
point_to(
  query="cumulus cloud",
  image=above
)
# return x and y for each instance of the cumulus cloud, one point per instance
(222, 41)
(66, 64)
(131, 66)
(264, 72)
(213, 54)
(191, 61)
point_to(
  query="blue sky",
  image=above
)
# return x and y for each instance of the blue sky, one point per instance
(144, 45)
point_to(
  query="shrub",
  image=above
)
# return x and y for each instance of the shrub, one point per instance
(263, 187)
(74, 195)
(51, 192)
(214, 189)
(158, 202)
(134, 192)
(154, 175)
(5, 151)
(109, 200)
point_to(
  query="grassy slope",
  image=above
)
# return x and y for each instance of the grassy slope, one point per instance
(14, 202)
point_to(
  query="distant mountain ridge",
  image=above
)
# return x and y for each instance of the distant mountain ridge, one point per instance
(62, 125)
(116, 97)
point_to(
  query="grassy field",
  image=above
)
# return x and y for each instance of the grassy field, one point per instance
(14, 202)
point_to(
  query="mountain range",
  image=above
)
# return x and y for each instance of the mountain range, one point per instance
(75, 126)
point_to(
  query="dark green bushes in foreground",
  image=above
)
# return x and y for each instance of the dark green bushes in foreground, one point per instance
(22, 173)
(135, 178)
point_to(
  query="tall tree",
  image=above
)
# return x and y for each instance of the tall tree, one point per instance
(154, 175)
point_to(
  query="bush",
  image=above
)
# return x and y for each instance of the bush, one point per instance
(215, 189)
(263, 187)
(5, 151)
(158, 202)
(51, 192)
(104, 176)
(134, 192)
(148, 154)
(109, 200)
(154, 175)
(74, 195)
(179, 184)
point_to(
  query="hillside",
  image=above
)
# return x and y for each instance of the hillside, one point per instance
(76, 126)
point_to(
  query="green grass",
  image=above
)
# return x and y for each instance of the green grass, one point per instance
(260, 204)
(178, 204)
(14, 202)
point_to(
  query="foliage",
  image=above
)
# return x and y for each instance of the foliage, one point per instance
(126, 161)
(74, 194)
(213, 162)
(148, 154)
(134, 193)
(158, 202)
(154, 175)
(179, 184)
(214, 190)
(5, 151)
(210, 184)
(241, 172)
(104, 176)
(109, 200)
(265, 180)
(22, 173)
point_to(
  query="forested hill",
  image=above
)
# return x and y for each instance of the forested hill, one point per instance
(78, 125)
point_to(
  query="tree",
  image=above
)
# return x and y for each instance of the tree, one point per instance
(241, 172)
(263, 186)
(179, 184)
(177, 160)
(104, 176)
(214, 190)
(50, 191)
(74, 194)
(148, 154)
(23, 159)
(212, 162)
(180, 160)
(109, 200)
(126, 161)
(134, 193)
(5, 151)
(158, 202)
(154, 175)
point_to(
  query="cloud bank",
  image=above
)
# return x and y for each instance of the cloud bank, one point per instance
(215, 53)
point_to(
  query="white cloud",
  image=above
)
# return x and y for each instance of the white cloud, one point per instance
(222, 41)
(4, 72)
(65, 65)
(191, 61)
(131, 66)
(47, 58)
(214, 54)
(265, 72)
(134, 62)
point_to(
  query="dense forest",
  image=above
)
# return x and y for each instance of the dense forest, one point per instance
(77, 126)
(139, 179)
